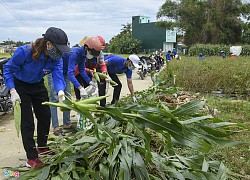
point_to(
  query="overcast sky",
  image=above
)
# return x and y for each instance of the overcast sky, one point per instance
(26, 20)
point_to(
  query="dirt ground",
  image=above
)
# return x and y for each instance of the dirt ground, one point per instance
(12, 153)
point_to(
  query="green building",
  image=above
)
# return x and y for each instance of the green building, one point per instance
(153, 37)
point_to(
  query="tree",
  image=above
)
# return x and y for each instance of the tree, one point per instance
(11, 42)
(123, 43)
(206, 21)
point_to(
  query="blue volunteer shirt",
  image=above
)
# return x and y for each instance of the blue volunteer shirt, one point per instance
(116, 65)
(70, 60)
(23, 67)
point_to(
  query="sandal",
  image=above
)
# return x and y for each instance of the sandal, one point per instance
(70, 128)
(59, 132)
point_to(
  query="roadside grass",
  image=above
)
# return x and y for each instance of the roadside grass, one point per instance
(4, 55)
(231, 77)
(211, 74)
(237, 111)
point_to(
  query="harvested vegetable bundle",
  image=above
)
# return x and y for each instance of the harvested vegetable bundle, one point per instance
(17, 117)
(113, 83)
(96, 76)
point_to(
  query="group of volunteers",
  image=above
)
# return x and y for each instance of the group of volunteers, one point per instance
(51, 56)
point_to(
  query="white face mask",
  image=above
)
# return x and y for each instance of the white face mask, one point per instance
(89, 56)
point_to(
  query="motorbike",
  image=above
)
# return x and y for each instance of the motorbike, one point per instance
(159, 62)
(5, 102)
(152, 62)
(143, 69)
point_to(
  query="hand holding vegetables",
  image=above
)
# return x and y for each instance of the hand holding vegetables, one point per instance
(61, 96)
(91, 88)
(14, 96)
(83, 93)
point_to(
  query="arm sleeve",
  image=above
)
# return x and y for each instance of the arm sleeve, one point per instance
(71, 70)
(12, 66)
(57, 75)
(128, 74)
(83, 73)
(76, 70)
(103, 67)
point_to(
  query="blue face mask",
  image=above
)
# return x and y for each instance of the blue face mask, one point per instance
(131, 67)
(54, 54)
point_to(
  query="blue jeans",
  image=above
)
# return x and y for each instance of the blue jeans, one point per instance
(54, 98)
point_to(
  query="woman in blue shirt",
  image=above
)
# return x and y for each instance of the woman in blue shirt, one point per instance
(23, 75)
(118, 65)
(79, 55)
(98, 64)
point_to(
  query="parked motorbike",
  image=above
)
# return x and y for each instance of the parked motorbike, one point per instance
(152, 62)
(143, 69)
(159, 62)
(5, 102)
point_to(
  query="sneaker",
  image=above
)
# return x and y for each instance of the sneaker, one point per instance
(45, 152)
(33, 163)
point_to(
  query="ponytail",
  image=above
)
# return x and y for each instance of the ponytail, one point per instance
(37, 47)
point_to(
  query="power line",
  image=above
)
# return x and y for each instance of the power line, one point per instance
(27, 24)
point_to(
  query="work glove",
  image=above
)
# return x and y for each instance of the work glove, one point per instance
(61, 96)
(14, 96)
(91, 88)
(83, 93)
(134, 99)
(108, 79)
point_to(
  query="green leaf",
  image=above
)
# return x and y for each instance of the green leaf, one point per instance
(178, 165)
(223, 124)
(75, 175)
(104, 171)
(85, 139)
(211, 131)
(114, 111)
(189, 162)
(196, 119)
(193, 176)
(45, 173)
(205, 166)
(188, 108)
(222, 173)
(177, 131)
(114, 155)
(64, 176)
(154, 177)
(222, 142)
(113, 169)
(175, 174)
(139, 166)
(124, 172)
(152, 110)
(56, 178)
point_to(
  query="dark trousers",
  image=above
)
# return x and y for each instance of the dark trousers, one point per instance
(101, 88)
(117, 89)
(33, 95)
(82, 82)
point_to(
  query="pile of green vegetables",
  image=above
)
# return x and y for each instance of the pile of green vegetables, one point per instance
(138, 141)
